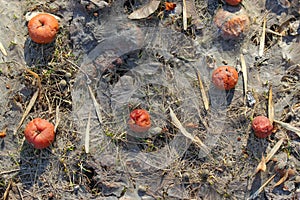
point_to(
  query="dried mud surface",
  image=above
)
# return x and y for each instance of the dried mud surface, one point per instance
(103, 64)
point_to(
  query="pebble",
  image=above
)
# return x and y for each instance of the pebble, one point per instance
(63, 83)
(68, 75)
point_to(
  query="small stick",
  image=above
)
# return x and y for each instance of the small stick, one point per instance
(20, 193)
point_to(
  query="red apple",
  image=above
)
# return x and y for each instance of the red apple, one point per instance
(262, 126)
(139, 121)
(40, 133)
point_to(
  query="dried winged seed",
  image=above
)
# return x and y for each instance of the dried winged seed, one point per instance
(262, 165)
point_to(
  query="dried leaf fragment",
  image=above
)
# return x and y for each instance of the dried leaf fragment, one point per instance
(145, 11)
(283, 179)
(3, 133)
(169, 6)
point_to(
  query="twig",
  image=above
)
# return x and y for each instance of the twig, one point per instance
(35, 75)
(20, 192)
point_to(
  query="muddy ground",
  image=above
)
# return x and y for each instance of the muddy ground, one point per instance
(102, 65)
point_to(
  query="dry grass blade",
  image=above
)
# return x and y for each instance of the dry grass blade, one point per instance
(273, 32)
(20, 192)
(274, 150)
(255, 194)
(96, 105)
(288, 127)
(145, 11)
(271, 106)
(6, 193)
(202, 90)
(184, 15)
(262, 39)
(57, 118)
(2, 49)
(196, 140)
(87, 135)
(29, 106)
(10, 171)
(245, 75)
